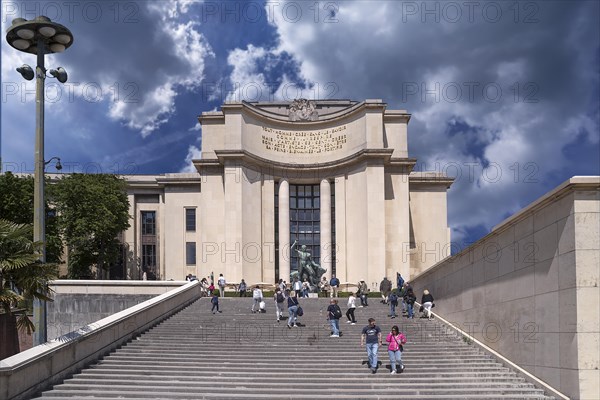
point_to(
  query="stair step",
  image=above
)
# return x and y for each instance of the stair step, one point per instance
(196, 355)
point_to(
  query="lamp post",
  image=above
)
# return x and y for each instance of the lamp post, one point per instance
(39, 36)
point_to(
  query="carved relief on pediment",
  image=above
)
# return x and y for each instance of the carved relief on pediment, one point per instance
(303, 110)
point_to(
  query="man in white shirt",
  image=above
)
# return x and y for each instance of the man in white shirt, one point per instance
(221, 282)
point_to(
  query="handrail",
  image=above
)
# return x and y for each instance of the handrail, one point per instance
(505, 360)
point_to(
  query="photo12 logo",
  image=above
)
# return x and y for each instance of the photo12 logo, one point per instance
(471, 92)
(266, 91)
(453, 12)
(90, 92)
(127, 12)
(256, 12)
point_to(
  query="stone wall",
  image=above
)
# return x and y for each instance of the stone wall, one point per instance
(78, 303)
(529, 289)
(24, 375)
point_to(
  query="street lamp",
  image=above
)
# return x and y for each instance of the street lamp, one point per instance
(39, 36)
(58, 165)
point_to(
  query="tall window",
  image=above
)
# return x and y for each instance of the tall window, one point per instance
(149, 257)
(149, 244)
(305, 221)
(148, 222)
(190, 219)
(190, 253)
(333, 240)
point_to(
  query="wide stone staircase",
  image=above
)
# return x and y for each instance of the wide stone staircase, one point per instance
(238, 354)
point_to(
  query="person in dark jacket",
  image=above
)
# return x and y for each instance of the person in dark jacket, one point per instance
(427, 303)
(333, 316)
(385, 287)
(409, 299)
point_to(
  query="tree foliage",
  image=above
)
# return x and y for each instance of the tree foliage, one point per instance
(16, 205)
(93, 210)
(22, 276)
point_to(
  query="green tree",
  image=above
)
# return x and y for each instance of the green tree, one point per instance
(16, 205)
(22, 276)
(93, 210)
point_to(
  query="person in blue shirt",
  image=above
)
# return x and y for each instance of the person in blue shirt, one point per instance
(371, 337)
(399, 281)
(335, 285)
(215, 302)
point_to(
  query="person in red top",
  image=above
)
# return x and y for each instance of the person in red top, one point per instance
(396, 340)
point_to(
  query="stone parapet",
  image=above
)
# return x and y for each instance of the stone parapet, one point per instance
(529, 289)
(24, 374)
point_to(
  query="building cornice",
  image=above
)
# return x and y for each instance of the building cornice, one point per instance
(245, 158)
(430, 178)
(573, 184)
(254, 110)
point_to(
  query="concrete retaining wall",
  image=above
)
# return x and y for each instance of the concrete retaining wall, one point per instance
(529, 289)
(81, 302)
(25, 374)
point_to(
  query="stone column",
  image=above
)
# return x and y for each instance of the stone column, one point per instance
(326, 227)
(284, 230)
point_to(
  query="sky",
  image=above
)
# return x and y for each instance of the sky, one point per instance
(504, 95)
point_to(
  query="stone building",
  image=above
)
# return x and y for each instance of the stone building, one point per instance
(333, 175)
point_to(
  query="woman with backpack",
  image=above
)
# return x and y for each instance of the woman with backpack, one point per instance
(396, 341)
(279, 298)
(293, 305)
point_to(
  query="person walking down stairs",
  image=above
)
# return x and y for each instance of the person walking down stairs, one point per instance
(396, 341)
(334, 313)
(393, 304)
(371, 338)
(215, 302)
(351, 308)
(409, 299)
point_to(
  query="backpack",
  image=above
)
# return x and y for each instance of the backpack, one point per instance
(337, 312)
(394, 299)
(280, 297)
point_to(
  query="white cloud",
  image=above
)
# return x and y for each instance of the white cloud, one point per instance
(524, 89)
(193, 154)
(157, 104)
(135, 69)
(247, 82)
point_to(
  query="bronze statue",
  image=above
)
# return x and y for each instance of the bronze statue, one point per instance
(307, 268)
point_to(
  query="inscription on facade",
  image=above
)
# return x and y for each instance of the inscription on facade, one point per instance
(304, 142)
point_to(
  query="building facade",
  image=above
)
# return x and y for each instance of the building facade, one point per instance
(332, 175)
